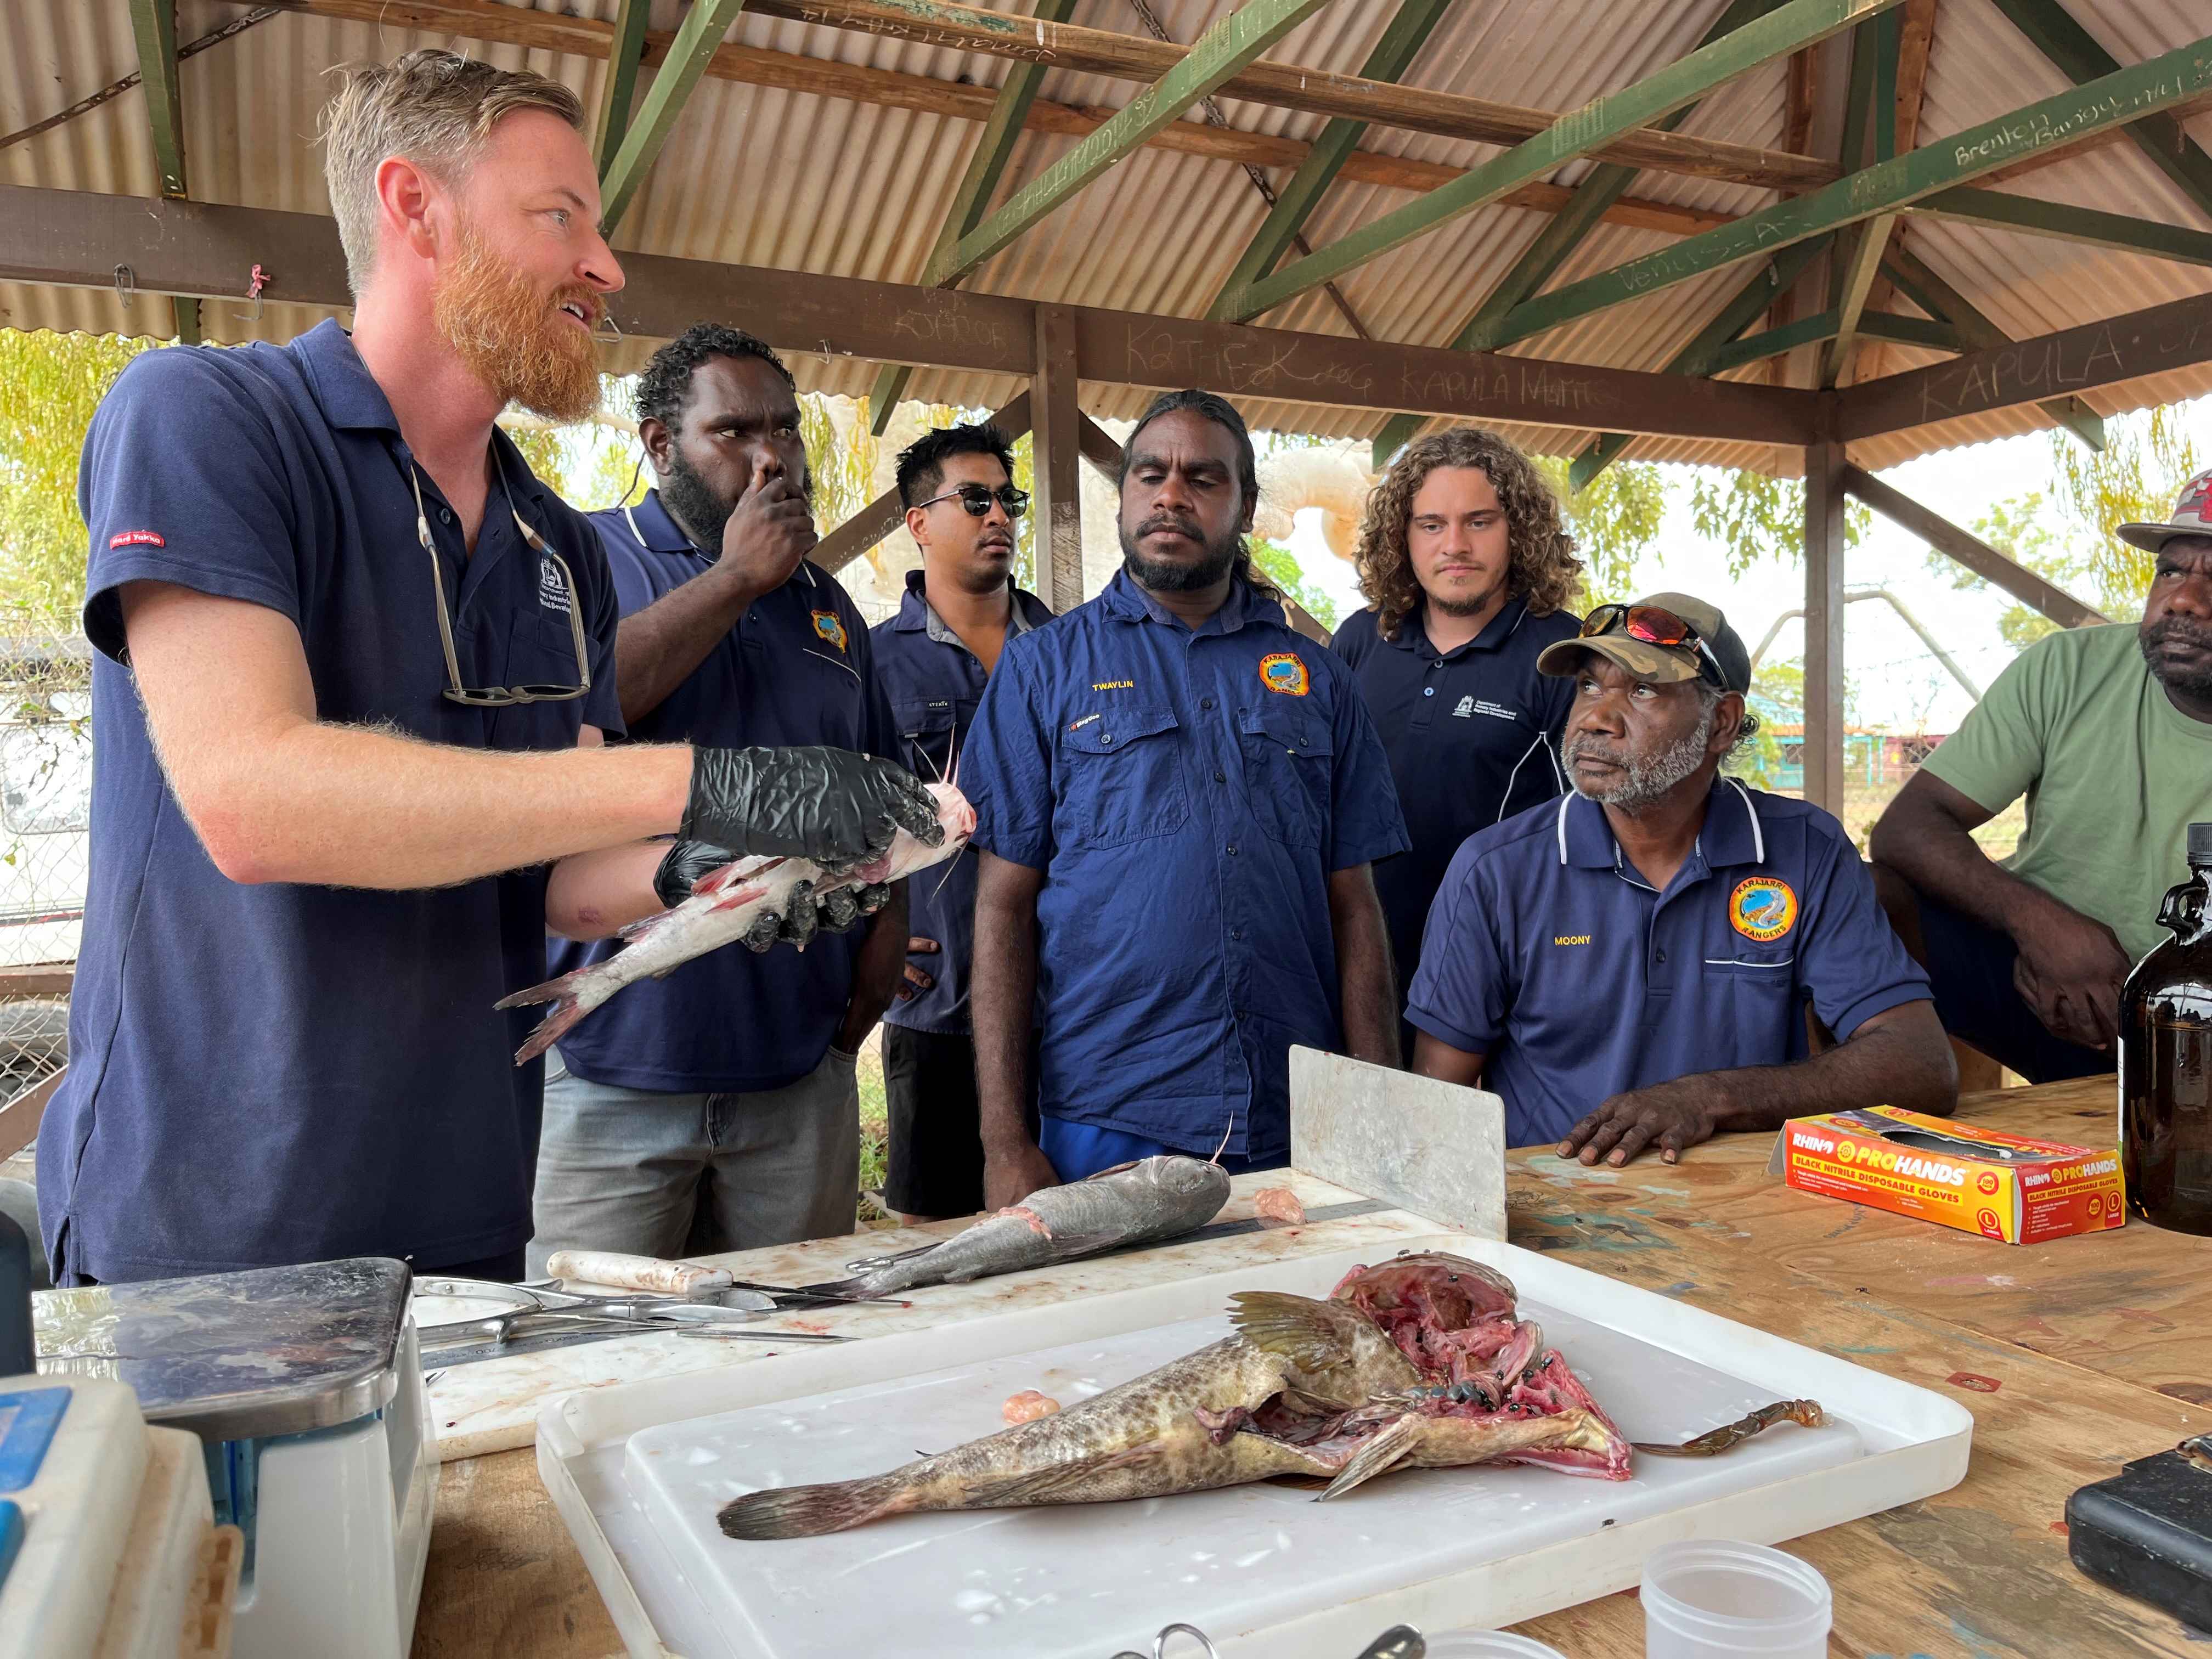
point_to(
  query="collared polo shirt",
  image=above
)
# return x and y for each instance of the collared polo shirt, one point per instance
(1188, 794)
(934, 683)
(1549, 953)
(798, 669)
(1473, 734)
(280, 1073)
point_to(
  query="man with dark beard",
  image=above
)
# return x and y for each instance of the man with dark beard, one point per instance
(355, 666)
(2107, 731)
(1178, 800)
(1630, 967)
(716, 1109)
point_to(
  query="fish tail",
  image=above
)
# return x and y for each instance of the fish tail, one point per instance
(568, 1008)
(811, 1511)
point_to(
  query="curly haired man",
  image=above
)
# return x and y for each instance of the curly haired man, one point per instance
(1468, 572)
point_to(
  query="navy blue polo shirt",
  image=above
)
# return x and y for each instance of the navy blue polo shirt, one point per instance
(796, 670)
(934, 683)
(1548, 952)
(1187, 794)
(280, 1073)
(1473, 736)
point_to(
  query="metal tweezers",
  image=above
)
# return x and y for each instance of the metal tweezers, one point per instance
(530, 1306)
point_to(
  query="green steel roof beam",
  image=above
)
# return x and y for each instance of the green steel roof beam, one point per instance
(2053, 31)
(625, 52)
(154, 29)
(1595, 125)
(1393, 56)
(1852, 274)
(1773, 342)
(688, 54)
(2141, 89)
(1217, 56)
(987, 165)
(2071, 224)
(1600, 187)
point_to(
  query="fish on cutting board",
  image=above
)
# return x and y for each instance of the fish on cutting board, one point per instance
(1145, 1202)
(1421, 1362)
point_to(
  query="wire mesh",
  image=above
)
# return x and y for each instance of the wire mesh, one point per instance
(46, 807)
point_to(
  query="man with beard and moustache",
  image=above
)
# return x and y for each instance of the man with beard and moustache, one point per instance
(1466, 569)
(935, 658)
(2107, 731)
(1178, 800)
(1630, 967)
(355, 663)
(717, 1109)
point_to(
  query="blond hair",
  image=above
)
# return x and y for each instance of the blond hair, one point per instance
(435, 109)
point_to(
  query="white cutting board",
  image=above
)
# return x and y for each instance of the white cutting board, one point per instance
(1442, 1548)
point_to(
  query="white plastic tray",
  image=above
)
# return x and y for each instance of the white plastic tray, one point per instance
(638, 1473)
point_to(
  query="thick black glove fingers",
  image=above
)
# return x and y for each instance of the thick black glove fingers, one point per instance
(840, 910)
(873, 897)
(802, 919)
(682, 867)
(915, 810)
(767, 927)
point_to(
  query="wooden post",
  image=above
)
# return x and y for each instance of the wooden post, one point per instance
(1055, 425)
(1823, 625)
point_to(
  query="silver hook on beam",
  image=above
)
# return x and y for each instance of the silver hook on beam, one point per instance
(126, 285)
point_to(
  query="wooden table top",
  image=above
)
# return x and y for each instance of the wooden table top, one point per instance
(2074, 1358)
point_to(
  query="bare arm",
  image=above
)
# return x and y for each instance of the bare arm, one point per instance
(276, 795)
(1002, 984)
(596, 895)
(1366, 986)
(1433, 1057)
(1898, 1057)
(2070, 966)
(875, 971)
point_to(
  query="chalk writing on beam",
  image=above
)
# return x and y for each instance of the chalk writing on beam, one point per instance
(954, 326)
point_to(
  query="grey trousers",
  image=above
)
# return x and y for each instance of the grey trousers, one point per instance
(667, 1175)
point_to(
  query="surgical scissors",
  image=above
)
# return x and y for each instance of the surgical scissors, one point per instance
(1160, 1643)
(540, 1302)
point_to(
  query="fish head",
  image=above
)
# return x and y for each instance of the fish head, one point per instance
(1184, 1178)
(908, 853)
(1449, 1291)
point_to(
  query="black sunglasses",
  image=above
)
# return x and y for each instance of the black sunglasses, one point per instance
(977, 499)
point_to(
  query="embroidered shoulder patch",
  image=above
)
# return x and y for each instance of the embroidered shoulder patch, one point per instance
(136, 538)
(1285, 671)
(831, 626)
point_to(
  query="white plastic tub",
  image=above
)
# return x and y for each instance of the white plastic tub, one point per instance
(1719, 1599)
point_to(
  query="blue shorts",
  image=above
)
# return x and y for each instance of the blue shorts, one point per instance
(1081, 1150)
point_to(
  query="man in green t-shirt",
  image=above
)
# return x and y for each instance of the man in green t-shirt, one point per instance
(2108, 732)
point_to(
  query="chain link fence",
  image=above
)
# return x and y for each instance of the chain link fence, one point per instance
(45, 814)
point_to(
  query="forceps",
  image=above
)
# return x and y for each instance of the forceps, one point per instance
(540, 1302)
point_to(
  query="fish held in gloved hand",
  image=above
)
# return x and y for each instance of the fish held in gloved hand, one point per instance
(748, 896)
(1145, 1202)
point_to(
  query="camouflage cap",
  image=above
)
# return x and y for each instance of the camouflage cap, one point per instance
(1660, 663)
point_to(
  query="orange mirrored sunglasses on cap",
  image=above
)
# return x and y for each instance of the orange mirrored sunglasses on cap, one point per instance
(1654, 625)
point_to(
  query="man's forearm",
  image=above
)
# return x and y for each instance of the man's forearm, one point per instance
(1367, 988)
(1886, 1067)
(1940, 856)
(657, 649)
(595, 894)
(1002, 984)
(876, 970)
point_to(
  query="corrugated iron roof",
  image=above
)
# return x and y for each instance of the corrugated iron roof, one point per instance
(798, 181)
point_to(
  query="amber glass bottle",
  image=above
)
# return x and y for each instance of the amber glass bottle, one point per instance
(2166, 1059)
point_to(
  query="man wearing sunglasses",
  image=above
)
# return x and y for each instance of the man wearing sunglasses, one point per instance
(355, 666)
(1631, 966)
(717, 1109)
(960, 611)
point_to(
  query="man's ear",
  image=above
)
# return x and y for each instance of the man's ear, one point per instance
(406, 198)
(652, 432)
(1244, 520)
(1728, 720)
(917, 521)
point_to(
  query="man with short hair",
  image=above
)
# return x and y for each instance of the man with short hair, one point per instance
(1178, 800)
(716, 1108)
(935, 658)
(1630, 968)
(355, 666)
(1468, 571)
(2107, 731)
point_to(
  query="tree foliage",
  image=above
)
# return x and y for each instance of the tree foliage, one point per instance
(2135, 478)
(1614, 522)
(1757, 519)
(1280, 566)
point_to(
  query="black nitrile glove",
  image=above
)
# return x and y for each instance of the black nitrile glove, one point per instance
(684, 864)
(831, 805)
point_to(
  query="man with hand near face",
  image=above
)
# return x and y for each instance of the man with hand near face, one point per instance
(1647, 946)
(716, 1109)
(1466, 569)
(1178, 801)
(2108, 732)
(935, 657)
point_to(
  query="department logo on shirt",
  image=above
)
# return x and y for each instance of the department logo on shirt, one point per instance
(829, 626)
(1466, 709)
(552, 591)
(1762, 908)
(1285, 671)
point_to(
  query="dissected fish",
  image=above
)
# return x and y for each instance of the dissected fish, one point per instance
(723, 907)
(1140, 1203)
(1418, 1363)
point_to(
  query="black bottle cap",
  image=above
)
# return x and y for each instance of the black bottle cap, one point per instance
(2200, 846)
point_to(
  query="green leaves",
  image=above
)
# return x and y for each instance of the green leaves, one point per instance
(1280, 566)
(1755, 517)
(1614, 519)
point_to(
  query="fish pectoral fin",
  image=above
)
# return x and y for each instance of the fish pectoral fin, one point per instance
(1378, 1457)
(1317, 1337)
(1041, 1486)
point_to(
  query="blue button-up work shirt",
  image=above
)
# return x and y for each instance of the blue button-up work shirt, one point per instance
(280, 1073)
(1471, 734)
(934, 683)
(1549, 953)
(797, 669)
(1187, 794)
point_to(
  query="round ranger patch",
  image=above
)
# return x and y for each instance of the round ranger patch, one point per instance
(1762, 908)
(830, 627)
(1285, 671)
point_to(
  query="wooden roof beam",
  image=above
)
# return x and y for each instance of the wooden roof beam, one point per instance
(2161, 83)
(625, 53)
(686, 60)
(154, 30)
(2153, 237)
(1874, 51)
(1575, 135)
